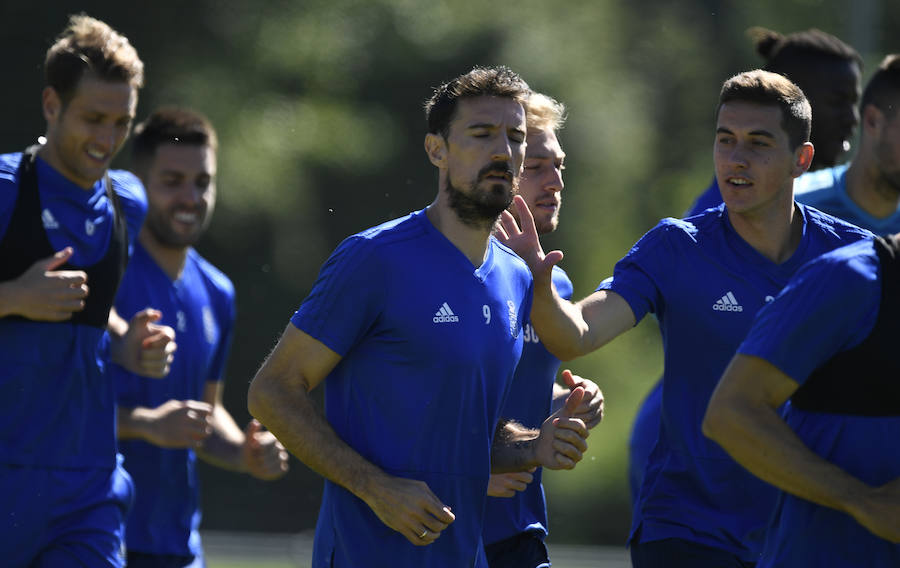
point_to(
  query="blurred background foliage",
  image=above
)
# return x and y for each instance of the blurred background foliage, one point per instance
(318, 104)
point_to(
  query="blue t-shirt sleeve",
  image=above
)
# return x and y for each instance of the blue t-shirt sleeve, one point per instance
(829, 306)
(132, 199)
(636, 276)
(347, 297)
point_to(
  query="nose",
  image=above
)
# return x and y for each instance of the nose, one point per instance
(738, 156)
(502, 151)
(555, 182)
(106, 137)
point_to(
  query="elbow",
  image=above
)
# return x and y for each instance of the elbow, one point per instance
(257, 399)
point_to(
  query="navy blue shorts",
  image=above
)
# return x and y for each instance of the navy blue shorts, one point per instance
(679, 553)
(525, 550)
(146, 560)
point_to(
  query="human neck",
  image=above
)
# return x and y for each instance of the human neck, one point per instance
(49, 154)
(775, 233)
(868, 189)
(170, 260)
(471, 241)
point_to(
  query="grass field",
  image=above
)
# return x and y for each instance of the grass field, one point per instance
(249, 550)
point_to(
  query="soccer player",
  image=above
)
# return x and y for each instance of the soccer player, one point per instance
(828, 71)
(826, 346)
(704, 278)
(67, 226)
(415, 327)
(515, 521)
(165, 424)
(867, 191)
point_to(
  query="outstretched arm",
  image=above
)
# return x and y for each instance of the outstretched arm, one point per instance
(742, 417)
(279, 397)
(567, 330)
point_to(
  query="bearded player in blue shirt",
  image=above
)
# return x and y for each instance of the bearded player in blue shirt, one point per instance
(164, 425)
(415, 329)
(515, 520)
(67, 226)
(704, 277)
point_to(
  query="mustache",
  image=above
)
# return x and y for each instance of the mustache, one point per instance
(501, 168)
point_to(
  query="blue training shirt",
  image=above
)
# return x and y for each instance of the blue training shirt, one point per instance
(429, 345)
(56, 400)
(831, 305)
(529, 403)
(705, 284)
(200, 307)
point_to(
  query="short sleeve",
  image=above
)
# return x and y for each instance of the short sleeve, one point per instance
(347, 297)
(830, 305)
(132, 199)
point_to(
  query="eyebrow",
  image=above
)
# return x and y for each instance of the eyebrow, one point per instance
(545, 156)
(766, 133)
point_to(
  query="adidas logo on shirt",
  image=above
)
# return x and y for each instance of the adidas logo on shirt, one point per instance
(445, 315)
(728, 303)
(49, 220)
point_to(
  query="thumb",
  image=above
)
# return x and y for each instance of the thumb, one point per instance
(58, 259)
(568, 379)
(145, 316)
(252, 429)
(572, 401)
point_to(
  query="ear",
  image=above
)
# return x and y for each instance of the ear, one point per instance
(803, 157)
(436, 148)
(51, 104)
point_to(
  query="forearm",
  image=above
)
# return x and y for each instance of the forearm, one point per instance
(7, 298)
(758, 439)
(291, 415)
(560, 324)
(117, 328)
(133, 423)
(513, 448)
(223, 447)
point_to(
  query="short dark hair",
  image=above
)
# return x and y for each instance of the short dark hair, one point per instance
(771, 89)
(170, 125)
(88, 45)
(498, 81)
(782, 53)
(883, 89)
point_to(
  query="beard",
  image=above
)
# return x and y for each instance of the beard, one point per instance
(479, 206)
(889, 174)
(159, 226)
